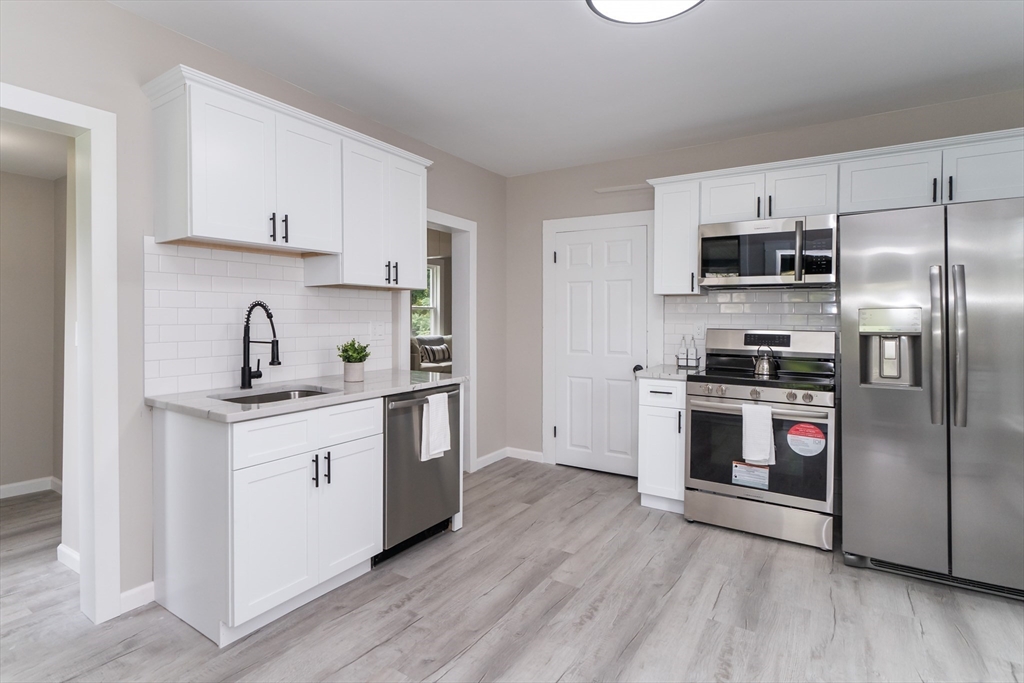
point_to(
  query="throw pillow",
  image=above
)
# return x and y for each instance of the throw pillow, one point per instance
(437, 354)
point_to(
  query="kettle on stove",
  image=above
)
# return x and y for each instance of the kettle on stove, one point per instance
(765, 365)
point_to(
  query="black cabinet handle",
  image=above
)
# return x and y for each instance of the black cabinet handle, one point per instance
(769, 206)
(935, 190)
(387, 278)
(273, 226)
(284, 222)
(396, 272)
(693, 278)
(666, 393)
(950, 188)
(758, 207)
(679, 429)
(327, 459)
(316, 471)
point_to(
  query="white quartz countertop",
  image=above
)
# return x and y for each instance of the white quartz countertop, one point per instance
(377, 383)
(665, 372)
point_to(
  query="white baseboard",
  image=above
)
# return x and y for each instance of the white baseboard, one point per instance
(523, 454)
(21, 488)
(508, 452)
(137, 597)
(660, 503)
(489, 459)
(68, 557)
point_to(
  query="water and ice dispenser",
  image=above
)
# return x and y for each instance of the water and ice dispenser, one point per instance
(890, 347)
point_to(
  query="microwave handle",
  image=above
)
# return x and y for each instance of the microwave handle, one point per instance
(798, 253)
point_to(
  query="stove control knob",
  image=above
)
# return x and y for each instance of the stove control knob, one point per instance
(808, 397)
(707, 389)
(754, 393)
(791, 396)
(720, 390)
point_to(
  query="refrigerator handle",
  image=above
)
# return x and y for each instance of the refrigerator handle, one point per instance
(938, 333)
(798, 253)
(960, 349)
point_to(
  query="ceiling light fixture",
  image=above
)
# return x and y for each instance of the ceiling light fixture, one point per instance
(641, 11)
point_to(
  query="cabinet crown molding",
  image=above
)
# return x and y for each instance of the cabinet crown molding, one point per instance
(926, 145)
(181, 75)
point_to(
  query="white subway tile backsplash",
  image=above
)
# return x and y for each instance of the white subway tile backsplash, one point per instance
(771, 309)
(195, 300)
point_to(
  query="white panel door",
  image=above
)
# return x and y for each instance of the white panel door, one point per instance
(802, 191)
(736, 198)
(994, 170)
(364, 223)
(275, 539)
(601, 309)
(676, 219)
(897, 181)
(661, 451)
(407, 219)
(308, 186)
(233, 167)
(351, 504)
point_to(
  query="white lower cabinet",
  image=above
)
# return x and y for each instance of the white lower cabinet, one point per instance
(275, 545)
(351, 526)
(662, 444)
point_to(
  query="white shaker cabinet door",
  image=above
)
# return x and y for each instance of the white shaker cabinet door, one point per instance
(275, 539)
(661, 452)
(364, 221)
(975, 173)
(897, 181)
(734, 198)
(676, 218)
(806, 191)
(233, 167)
(351, 504)
(308, 186)
(407, 219)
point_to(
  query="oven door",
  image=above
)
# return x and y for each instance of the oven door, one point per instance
(786, 251)
(802, 475)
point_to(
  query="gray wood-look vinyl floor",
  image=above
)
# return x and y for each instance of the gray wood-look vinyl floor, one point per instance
(558, 575)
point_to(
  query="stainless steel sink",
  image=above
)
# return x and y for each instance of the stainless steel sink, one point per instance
(273, 396)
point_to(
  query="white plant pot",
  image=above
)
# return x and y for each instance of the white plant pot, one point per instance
(354, 372)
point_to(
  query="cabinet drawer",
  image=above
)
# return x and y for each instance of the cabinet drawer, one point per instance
(351, 421)
(662, 393)
(273, 438)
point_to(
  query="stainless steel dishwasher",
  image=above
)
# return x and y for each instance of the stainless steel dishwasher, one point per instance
(418, 495)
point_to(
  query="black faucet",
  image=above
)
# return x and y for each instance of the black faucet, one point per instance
(248, 374)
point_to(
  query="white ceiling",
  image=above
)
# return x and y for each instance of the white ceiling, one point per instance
(519, 86)
(32, 152)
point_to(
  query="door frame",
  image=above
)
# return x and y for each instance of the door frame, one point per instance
(96, 401)
(655, 305)
(464, 317)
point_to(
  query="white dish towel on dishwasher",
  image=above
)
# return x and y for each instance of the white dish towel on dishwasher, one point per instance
(437, 438)
(758, 435)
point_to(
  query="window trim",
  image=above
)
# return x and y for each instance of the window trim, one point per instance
(434, 283)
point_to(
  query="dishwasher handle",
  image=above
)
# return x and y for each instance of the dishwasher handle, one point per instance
(392, 405)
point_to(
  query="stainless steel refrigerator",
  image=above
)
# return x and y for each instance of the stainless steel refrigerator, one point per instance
(932, 380)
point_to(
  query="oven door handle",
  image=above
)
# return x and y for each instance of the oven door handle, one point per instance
(737, 410)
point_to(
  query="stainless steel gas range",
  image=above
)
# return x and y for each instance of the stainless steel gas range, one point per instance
(791, 499)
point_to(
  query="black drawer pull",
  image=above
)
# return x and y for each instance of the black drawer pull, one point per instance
(666, 393)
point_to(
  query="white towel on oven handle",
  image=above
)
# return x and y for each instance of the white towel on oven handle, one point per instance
(436, 436)
(758, 434)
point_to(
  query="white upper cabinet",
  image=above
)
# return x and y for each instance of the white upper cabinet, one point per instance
(233, 169)
(308, 185)
(676, 218)
(804, 191)
(993, 170)
(896, 181)
(407, 223)
(733, 198)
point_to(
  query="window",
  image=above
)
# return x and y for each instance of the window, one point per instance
(426, 305)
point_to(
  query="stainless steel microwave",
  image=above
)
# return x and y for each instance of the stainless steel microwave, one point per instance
(779, 251)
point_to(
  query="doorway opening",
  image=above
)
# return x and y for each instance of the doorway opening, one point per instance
(431, 342)
(89, 457)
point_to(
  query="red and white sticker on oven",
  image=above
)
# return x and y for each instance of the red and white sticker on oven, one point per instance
(806, 439)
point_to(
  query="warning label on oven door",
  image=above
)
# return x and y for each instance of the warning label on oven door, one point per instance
(806, 439)
(755, 476)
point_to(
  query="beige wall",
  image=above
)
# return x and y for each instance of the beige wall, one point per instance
(97, 54)
(28, 211)
(566, 193)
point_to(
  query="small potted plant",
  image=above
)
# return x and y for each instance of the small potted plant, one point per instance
(354, 355)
